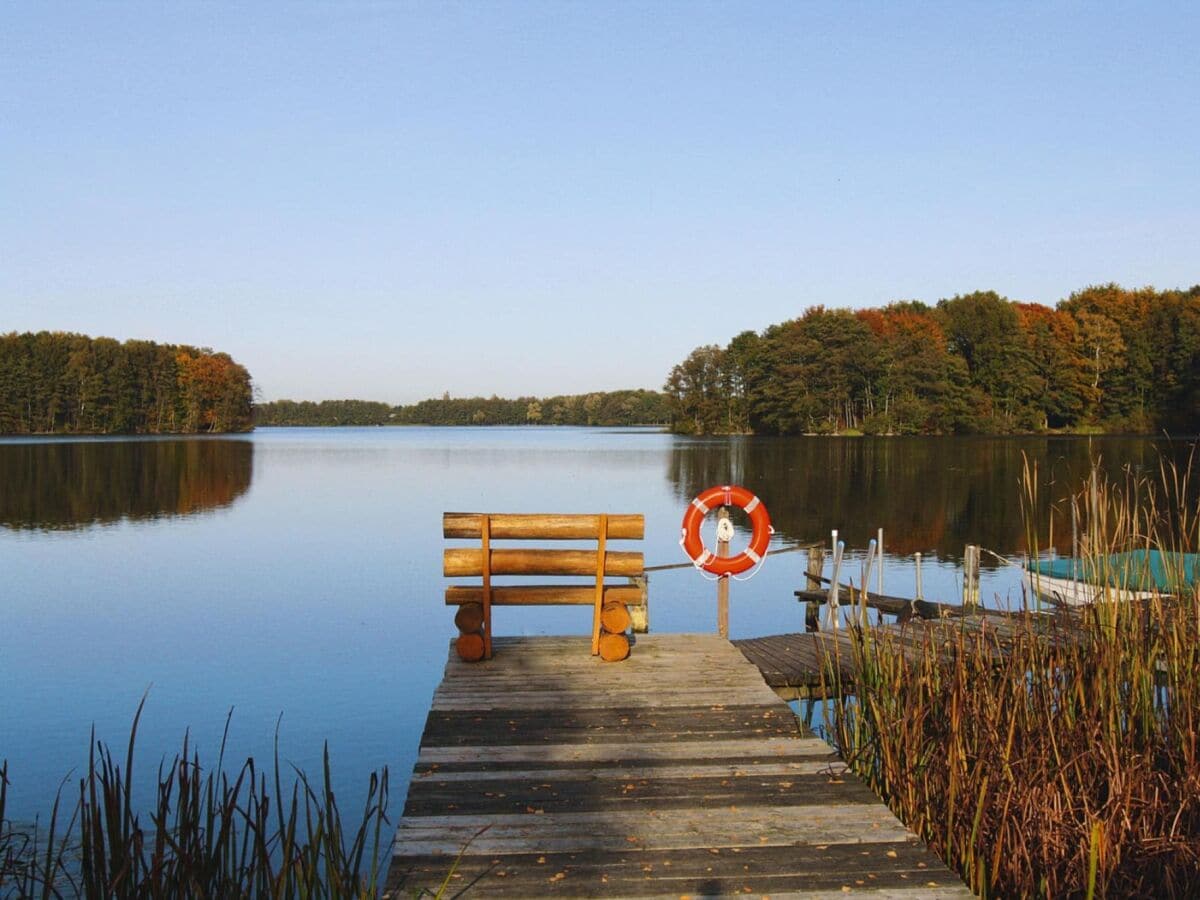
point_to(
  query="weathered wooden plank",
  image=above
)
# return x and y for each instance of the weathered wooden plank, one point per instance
(734, 826)
(594, 700)
(702, 768)
(759, 747)
(478, 798)
(708, 871)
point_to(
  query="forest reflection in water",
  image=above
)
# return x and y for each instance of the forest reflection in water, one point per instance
(70, 484)
(929, 494)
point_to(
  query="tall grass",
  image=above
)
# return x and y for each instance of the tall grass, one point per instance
(1048, 754)
(208, 834)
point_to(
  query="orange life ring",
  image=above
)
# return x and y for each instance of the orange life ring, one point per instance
(725, 495)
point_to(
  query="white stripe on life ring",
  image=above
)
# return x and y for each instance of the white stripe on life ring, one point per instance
(754, 556)
(751, 506)
(700, 506)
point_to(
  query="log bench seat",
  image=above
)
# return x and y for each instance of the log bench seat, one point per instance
(616, 607)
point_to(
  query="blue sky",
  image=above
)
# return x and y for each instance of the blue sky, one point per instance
(389, 201)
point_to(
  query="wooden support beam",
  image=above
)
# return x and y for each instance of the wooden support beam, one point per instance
(891, 605)
(615, 618)
(543, 526)
(812, 611)
(639, 612)
(601, 564)
(723, 583)
(971, 577)
(544, 594)
(485, 558)
(468, 561)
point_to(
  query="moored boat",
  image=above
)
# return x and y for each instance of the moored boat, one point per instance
(1132, 575)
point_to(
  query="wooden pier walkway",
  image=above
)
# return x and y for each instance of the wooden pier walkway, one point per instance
(676, 773)
(791, 664)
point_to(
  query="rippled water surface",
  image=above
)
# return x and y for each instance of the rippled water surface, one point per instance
(294, 575)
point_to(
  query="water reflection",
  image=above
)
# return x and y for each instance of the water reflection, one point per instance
(928, 494)
(60, 485)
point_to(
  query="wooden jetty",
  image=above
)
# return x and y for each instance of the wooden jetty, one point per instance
(676, 773)
(792, 664)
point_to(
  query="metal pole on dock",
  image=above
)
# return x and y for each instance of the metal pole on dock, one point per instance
(831, 608)
(879, 562)
(866, 580)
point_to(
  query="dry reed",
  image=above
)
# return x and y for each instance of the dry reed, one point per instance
(208, 834)
(1053, 754)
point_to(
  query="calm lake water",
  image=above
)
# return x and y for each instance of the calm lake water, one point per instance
(295, 574)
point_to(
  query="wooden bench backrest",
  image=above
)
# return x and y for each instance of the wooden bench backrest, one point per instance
(486, 560)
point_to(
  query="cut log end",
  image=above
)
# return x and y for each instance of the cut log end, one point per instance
(613, 647)
(469, 617)
(615, 618)
(469, 647)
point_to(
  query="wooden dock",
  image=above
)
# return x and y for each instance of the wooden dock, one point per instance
(791, 664)
(676, 773)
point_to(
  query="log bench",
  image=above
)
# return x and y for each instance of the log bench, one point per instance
(615, 606)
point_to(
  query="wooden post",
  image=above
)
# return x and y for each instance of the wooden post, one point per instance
(816, 563)
(485, 537)
(601, 543)
(971, 577)
(724, 527)
(920, 593)
(640, 612)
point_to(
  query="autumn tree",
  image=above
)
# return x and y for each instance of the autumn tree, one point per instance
(976, 362)
(53, 382)
(696, 390)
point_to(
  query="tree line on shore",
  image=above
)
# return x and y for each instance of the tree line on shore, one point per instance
(1105, 359)
(56, 382)
(606, 408)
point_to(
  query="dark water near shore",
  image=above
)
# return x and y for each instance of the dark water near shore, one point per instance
(296, 572)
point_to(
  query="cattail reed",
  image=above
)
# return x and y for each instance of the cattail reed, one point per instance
(1054, 753)
(208, 834)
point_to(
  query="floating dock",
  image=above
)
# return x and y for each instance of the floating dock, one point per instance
(676, 773)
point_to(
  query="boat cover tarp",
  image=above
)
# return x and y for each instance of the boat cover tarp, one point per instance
(1137, 570)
